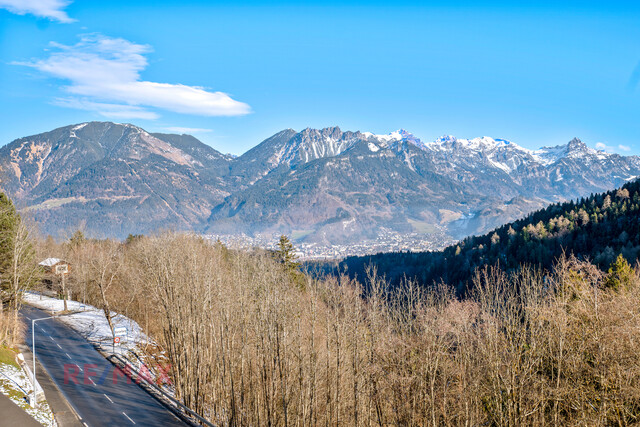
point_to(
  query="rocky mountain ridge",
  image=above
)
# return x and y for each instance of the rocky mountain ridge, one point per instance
(113, 179)
(324, 185)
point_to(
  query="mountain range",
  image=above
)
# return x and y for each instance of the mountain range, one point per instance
(321, 185)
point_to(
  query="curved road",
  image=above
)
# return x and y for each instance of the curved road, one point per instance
(99, 394)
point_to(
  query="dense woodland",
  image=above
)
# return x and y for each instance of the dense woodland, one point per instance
(597, 228)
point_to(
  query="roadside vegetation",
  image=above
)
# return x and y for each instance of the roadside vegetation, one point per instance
(19, 271)
(15, 385)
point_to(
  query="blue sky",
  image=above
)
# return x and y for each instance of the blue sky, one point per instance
(235, 73)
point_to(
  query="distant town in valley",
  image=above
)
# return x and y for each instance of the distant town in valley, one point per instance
(387, 241)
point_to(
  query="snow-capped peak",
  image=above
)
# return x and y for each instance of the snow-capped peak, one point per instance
(446, 138)
(573, 149)
(311, 144)
(485, 151)
(72, 132)
(396, 136)
(450, 142)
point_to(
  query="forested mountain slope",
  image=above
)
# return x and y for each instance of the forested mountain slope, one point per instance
(596, 228)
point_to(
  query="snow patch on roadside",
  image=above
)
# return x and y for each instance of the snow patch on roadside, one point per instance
(14, 384)
(92, 325)
(90, 321)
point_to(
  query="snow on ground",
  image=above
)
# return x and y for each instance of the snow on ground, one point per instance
(90, 321)
(14, 384)
(373, 147)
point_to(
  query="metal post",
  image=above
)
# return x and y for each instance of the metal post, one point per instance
(64, 293)
(34, 404)
(33, 350)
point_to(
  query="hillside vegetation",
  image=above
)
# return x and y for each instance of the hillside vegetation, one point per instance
(252, 341)
(597, 228)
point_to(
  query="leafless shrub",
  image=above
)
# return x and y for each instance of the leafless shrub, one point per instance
(250, 346)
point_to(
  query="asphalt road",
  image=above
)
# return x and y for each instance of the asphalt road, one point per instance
(99, 395)
(13, 415)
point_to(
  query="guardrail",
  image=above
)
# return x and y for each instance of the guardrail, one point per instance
(125, 366)
(17, 385)
(38, 394)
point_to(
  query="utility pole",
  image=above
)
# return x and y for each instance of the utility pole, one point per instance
(34, 403)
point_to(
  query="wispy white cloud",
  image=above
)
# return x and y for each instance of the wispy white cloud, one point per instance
(107, 70)
(612, 149)
(50, 9)
(634, 78)
(112, 111)
(178, 129)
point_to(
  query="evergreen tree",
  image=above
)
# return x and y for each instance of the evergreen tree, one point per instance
(78, 238)
(286, 255)
(18, 266)
(591, 230)
(8, 221)
(620, 274)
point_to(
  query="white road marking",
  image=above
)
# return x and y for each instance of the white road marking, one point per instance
(51, 338)
(108, 398)
(58, 346)
(128, 417)
(68, 355)
(91, 379)
(87, 425)
(79, 367)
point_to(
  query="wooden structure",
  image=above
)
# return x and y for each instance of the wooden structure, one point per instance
(55, 266)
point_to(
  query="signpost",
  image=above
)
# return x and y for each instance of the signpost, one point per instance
(63, 270)
(119, 336)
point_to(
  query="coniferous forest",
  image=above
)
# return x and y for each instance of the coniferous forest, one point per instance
(595, 229)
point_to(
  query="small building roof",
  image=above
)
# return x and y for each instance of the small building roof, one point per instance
(50, 262)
